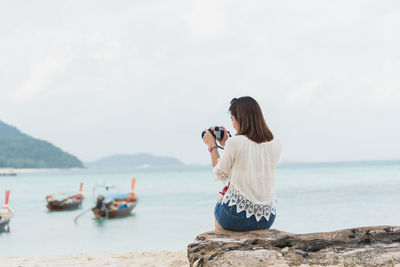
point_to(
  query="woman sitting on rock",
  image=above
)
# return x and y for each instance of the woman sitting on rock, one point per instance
(248, 163)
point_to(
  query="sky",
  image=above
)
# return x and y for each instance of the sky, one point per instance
(98, 78)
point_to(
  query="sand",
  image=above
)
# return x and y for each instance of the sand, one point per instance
(161, 258)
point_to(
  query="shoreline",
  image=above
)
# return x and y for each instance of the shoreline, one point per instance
(147, 258)
(8, 171)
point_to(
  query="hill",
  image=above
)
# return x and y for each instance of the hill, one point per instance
(137, 160)
(19, 150)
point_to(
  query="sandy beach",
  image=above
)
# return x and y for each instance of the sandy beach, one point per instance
(150, 258)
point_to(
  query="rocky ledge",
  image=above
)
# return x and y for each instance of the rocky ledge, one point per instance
(366, 246)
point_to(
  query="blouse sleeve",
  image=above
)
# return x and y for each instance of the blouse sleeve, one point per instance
(224, 164)
(278, 151)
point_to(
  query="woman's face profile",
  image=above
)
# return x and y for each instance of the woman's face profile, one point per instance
(235, 124)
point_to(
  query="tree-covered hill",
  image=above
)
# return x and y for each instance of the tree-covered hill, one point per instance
(19, 150)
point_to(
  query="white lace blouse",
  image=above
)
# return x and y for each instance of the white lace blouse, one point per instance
(250, 169)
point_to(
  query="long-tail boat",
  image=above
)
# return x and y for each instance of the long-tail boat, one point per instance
(5, 215)
(58, 202)
(115, 205)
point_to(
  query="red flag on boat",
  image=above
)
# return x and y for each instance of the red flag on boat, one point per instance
(7, 198)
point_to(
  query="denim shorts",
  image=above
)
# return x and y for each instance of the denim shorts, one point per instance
(228, 218)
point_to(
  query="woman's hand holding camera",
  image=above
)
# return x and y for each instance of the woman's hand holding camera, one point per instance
(210, 138)
(223, 140)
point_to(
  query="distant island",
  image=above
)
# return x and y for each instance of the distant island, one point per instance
(19, 150)
(142, 160)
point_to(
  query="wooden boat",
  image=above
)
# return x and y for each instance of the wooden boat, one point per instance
(113, 209)
(5, 215)
(115, 205)
(62, 202)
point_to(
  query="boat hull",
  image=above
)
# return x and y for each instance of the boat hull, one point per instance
(5, 219)
(4, 225)
(70, 203)
(60, 207)
(108, 213)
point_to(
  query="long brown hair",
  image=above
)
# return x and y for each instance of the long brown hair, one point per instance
(248, 114)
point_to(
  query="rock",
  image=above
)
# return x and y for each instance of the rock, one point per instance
(366, 246)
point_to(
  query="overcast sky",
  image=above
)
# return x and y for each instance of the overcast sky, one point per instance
(121, 77)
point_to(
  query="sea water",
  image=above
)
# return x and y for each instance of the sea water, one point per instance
(176, 204)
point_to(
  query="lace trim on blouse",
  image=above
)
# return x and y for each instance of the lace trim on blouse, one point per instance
(220, 174)
(234, 197)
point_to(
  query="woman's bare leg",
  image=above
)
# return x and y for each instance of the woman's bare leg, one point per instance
(217, 226)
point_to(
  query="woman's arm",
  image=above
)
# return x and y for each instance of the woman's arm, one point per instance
(221, 166)
(214, 156)
(210, 141)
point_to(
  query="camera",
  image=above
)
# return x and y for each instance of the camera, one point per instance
(218, 133)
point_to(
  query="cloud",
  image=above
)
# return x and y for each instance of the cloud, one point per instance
(386, 96)
(383, 88)
(303, 95)
(105, 46)
(208, 19)
(40, 79)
